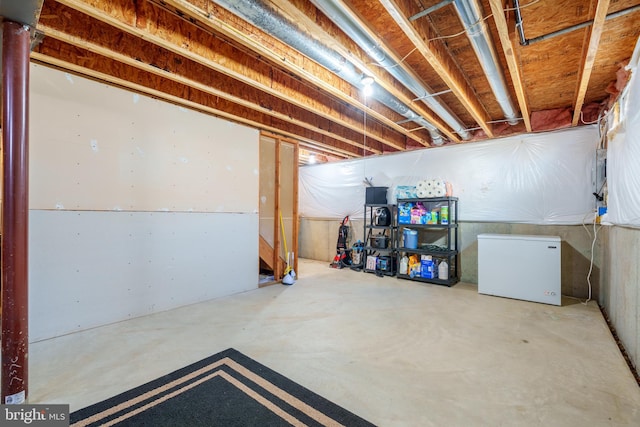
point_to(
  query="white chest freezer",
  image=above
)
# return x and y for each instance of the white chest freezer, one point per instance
(521, 267)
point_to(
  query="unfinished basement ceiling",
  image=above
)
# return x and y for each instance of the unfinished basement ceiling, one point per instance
(295, 68)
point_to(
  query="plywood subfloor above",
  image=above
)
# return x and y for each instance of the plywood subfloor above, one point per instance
(198, 54)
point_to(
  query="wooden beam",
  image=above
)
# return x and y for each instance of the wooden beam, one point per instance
(295, 217)
(108, 78)
(120, 57)
(320, 150)
(219, 21)
(218, 58)
(506, 40)
(362, 60)
(278, 272)
(212, 53)
(441, 62)
(589, 57)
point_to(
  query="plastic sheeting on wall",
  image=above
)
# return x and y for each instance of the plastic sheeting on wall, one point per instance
(623, 160)
(542, 178)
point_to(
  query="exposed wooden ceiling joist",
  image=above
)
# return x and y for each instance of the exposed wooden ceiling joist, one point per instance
(589, 57)
(206, 15)
(117, 56)
(431, 49)
(506, 40)
(159, 94)
(214, 54)
(358, 56)
(197, 54)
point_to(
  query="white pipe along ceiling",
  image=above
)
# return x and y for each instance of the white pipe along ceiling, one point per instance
(264, 17)
(470, 14)
(439, 71)
(340, 15)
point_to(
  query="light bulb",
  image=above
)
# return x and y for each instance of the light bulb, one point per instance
(366, 80)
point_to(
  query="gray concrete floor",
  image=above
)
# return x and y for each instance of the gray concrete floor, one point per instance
(397, 353)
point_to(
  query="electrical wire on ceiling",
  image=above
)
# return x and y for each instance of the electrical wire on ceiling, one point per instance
(509, 9)
(400, 62)
(262, 14)
(356, 30)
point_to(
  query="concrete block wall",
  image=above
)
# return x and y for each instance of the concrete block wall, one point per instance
(317, 237)
(576, 253)
(318, 241)
(620, 292)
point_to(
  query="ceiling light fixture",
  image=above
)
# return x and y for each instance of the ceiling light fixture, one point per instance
(367, 80)
(367, 85)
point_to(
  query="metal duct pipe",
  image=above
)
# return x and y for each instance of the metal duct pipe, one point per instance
(270, 21)
(471, 16)
(341, 17)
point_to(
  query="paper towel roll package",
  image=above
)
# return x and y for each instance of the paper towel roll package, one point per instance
(430, 188)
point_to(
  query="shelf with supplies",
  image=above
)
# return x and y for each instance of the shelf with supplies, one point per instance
(380, 236)
(427, 240)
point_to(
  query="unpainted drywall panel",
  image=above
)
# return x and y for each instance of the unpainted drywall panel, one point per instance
(97, 147)
(93, 268)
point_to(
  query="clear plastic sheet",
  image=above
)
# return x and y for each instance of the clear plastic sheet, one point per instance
(623, 160)
(544, 178)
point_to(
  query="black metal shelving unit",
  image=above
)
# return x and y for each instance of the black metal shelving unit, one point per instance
(447, 234)
(382, 255)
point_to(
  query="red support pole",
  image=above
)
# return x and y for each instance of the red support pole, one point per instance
(15, 211)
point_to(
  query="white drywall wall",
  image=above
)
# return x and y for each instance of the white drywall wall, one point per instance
(90, 268)
(136, 205)
(97, 147)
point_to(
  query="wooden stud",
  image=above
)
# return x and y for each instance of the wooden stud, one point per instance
(257, 41)
(589, 57)
(295, 220)
(278, 271)
(514, 68)
(322, 150)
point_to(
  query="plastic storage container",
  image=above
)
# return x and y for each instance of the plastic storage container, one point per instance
(410, 238)
(443, 270)
(444, 215)
(404, 265)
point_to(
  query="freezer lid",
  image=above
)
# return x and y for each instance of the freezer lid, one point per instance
(486, 236)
